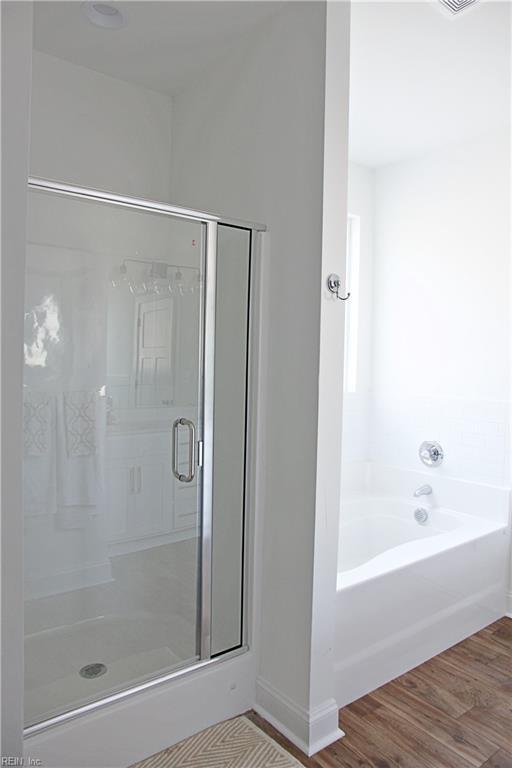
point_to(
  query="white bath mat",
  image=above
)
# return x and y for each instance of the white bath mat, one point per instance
(236, 743)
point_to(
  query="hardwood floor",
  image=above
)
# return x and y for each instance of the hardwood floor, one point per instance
(454, 711)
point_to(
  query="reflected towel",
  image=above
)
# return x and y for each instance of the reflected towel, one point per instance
(77, 466)
(80, 423)
(39, 484)
(36, 423)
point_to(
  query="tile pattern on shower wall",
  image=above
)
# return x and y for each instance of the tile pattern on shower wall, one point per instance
(473, 433)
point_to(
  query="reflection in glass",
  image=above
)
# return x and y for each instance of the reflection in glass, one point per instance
(42, 325)
(111, 353)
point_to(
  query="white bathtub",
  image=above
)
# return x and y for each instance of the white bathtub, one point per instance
(408, 591)
(380, 534)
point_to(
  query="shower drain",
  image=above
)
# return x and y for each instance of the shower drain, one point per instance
(93, 670)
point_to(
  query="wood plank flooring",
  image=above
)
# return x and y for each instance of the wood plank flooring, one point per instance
(454, 711)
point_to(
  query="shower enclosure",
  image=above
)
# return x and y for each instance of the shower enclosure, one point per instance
(135, 411)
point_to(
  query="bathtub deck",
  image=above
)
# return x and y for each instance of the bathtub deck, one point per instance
(454, 711)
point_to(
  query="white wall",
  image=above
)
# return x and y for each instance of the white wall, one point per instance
(436, 294)
(16, 44)
(323, 706)
(441, 330)
(97, 131)
(248, 142)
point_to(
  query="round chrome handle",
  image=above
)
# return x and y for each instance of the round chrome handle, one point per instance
(431, 453)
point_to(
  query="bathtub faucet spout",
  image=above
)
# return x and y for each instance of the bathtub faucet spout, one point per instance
(423, 490)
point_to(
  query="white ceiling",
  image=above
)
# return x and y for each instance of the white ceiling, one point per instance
(422, 78)
(163, 45)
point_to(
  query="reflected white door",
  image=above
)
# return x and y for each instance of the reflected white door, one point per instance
(155, 336)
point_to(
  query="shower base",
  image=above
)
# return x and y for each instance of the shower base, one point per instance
(132, 648)
(140, 624)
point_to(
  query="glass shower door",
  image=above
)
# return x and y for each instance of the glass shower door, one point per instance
(112, 432)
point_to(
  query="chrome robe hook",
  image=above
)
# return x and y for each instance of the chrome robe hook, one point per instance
(334, 285)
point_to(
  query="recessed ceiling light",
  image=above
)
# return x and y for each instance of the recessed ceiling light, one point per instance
(104, 15)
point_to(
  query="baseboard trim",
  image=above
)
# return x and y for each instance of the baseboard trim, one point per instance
(279, 726)
(508, 608)
(310, 730)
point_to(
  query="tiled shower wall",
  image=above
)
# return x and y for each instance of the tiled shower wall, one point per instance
(433, 362)
(474, 435)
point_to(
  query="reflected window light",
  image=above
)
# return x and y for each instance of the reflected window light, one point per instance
(45, 330)
(352, 313)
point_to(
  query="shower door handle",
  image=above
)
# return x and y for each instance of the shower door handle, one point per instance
(191, 450)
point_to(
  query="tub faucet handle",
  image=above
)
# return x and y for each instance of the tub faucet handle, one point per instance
(431, 453)
(423, 490)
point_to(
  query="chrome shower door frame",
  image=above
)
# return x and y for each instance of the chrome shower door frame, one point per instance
(207, 400)
(205, 429)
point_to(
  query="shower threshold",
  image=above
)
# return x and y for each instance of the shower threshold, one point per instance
(183, 670)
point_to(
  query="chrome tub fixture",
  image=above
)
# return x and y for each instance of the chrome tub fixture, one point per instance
(423, 490)
(431, 453)
(421, 515)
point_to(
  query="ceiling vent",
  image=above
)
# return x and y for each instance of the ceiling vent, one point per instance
(457, 5)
